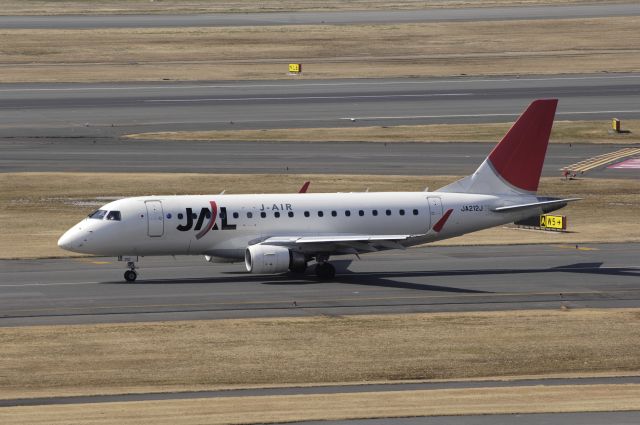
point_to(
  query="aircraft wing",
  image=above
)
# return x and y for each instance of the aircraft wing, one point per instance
(347, 244)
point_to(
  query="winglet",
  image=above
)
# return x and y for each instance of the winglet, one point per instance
(440, 224)
(304, 187)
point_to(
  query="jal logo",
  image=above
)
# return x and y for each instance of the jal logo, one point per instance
(209, 214)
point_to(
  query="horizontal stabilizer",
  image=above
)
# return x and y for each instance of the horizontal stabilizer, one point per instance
(550, 203)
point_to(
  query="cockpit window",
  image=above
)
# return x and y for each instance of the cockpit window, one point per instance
(98, 214)
(113, 215)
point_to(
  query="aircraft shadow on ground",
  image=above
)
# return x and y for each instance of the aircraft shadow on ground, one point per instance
(391, 279)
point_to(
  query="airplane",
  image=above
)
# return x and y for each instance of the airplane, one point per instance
(280, 233)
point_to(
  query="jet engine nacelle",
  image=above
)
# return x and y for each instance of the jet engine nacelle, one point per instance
(265, 259)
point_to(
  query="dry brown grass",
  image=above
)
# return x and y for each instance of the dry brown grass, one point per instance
(278, 409)
(44, 205)
(433, 49)
(57, 7)
(178, 356)
(563, 132)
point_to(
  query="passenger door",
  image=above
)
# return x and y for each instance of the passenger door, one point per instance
(155, 218)
(435, 209)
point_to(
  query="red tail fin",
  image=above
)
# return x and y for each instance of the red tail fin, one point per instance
(519, 156)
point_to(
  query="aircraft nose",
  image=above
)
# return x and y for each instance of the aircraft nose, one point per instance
(72, 240)
(65, 241)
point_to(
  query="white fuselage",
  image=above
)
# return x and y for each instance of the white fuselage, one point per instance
(224, 226)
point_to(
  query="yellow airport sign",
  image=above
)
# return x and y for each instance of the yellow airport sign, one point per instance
(558, 222)
(615, 125)
(295, 68)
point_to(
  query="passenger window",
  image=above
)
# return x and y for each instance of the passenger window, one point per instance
(334, 214)
(320, 214)
(306, 214)
(388, 212)
(401, 212)
(360, 213)
(236, 215)
(415, 212)
(222, 214)
(347, 213)
(249, 214)
(98, 214)
(114, 215)
(180, 216)
(374, 212)
(194, 215)
(276, 214)
(290, 214)
(263, 214)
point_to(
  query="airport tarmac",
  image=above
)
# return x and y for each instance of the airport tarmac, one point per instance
(321, 389)
(90, 111)
(77, 127)
(422, 159)
(429, 279)
(344, 17)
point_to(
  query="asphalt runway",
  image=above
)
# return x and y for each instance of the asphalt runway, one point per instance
(92, 290)
(110, 110)
(318, 17)
(421, 159)
(320, 389)
(77, 127)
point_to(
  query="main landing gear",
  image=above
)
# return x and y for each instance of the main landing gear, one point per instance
(324, 269)
(130, 275)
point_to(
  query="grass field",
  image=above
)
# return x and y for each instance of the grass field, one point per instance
(44, 205)
(563, 132)
(353, 51)
(196, 355)
(59, 7)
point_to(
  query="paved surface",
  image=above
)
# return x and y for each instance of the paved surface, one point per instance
(66, 127)
(424, 159)
(85, 110)
(416, 280)
(327, 389)
(320, 17)
(591, 418)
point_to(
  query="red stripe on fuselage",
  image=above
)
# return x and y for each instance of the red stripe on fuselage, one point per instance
(212, 220)
(440, 224)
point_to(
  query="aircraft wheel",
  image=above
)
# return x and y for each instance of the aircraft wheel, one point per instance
(130, 276)
(325, 271)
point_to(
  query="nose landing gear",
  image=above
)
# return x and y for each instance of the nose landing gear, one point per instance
(130, 275)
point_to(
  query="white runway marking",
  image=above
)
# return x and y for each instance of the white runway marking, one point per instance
(633, 163)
